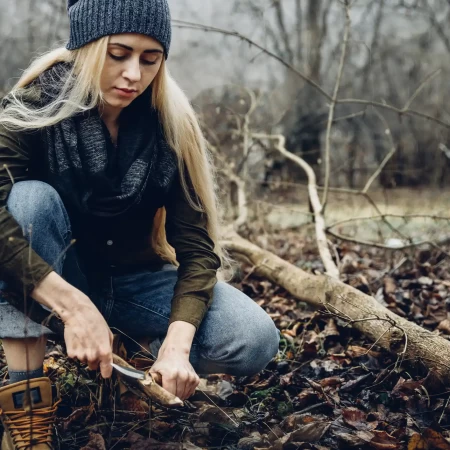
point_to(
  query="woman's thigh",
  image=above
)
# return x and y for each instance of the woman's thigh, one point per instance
(142, 302)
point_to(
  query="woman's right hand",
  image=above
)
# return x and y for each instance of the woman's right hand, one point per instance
(89, 339)
(87, 335)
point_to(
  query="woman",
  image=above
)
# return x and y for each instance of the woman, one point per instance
(108, 215)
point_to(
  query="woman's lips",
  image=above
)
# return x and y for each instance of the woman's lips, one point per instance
(125, 92)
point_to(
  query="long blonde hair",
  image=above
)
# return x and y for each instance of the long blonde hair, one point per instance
(79, 90)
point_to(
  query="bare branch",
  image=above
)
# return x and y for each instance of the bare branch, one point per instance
(206, 28)
(386, 158)
(400, 111)
(428, 78)
(321, 238)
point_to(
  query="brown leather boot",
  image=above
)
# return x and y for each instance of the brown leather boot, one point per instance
(27, 427)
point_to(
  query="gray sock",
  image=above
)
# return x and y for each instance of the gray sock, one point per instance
(16, 376)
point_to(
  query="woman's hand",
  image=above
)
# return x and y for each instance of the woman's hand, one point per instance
(89, 339)
(87, 335)
(178, 375)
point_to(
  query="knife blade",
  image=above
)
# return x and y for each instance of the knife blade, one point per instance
(129, 372)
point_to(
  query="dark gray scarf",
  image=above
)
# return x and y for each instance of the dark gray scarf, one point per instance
(90, 174)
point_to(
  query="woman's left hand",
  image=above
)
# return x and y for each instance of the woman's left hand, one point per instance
(178, 376)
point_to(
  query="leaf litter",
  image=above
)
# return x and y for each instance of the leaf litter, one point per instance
(328, 388)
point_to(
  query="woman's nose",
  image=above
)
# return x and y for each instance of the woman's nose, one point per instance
(133, 71)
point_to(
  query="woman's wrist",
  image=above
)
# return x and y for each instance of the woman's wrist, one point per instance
(180, 336)
(61, 297)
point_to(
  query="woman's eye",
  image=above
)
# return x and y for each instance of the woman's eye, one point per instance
(117, 58)
(121, 58)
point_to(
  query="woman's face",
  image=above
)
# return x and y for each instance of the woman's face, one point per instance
(132, 62)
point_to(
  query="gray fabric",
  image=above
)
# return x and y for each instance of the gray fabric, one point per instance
(93, 19)
(91, 176)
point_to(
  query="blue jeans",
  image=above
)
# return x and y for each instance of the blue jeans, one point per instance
(236, 336)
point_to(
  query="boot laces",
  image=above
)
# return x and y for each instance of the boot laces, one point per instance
(28, 430)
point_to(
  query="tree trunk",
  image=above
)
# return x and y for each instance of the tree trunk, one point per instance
(395, 334)
(314, 39)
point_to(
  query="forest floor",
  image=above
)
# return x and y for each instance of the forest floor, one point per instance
(328, 387)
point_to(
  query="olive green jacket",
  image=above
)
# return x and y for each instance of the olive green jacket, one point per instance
(22, 158)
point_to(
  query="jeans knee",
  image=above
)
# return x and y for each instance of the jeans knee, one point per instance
(257, 351)
(36, 203)
(266, 348)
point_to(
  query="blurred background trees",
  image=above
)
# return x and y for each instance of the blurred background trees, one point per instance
(394, 45)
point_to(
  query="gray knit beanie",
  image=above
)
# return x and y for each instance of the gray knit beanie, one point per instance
(93, 19)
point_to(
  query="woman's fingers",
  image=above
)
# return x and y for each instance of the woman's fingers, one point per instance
(93, 357)
(106, 367)
(178, 376)
(190, 381)
(175, 383)
(194, 384)
(188, 385)
(169, 383)
(90, 342)
(183, 386)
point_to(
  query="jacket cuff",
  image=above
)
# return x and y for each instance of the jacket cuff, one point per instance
(188, 309)
(33, 270)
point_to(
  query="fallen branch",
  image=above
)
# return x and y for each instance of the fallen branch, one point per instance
(149, 386)
(393, 333)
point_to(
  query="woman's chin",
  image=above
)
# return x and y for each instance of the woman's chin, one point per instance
(115, 102)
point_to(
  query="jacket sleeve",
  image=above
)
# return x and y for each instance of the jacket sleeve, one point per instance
(20, 266)
(187, 233)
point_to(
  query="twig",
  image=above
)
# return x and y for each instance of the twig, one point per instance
(207, 28)
(5, 166)
(386, 158)
(443, 411)
(397, 216)
(148, 386)
(310, 408)
(420, 87)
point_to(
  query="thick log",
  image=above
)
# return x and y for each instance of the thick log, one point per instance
(395, 334)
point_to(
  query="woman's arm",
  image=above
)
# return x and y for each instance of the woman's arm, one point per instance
(187, 232)
(20, 266)
(87, 335)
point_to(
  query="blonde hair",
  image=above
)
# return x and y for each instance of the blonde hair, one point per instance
(79, 90)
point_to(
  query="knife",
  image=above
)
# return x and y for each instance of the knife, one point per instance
(129, 372)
